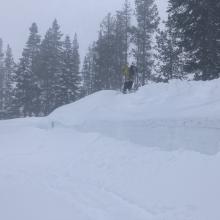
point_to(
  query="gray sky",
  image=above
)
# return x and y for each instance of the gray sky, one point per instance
(80, 16)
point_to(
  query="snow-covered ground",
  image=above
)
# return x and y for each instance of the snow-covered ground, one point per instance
(150, 155)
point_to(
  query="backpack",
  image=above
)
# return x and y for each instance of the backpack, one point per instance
(132, 71)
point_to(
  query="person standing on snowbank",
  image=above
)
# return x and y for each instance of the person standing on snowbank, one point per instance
(129, 76)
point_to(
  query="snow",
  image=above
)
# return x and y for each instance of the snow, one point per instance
(150, 155)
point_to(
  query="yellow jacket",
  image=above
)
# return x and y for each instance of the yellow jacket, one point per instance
(125, 71)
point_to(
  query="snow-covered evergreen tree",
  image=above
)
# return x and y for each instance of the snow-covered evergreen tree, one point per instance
(88, 73)
(109, 54)
(27, 91)
(123, 30)
(198, 25)
(76, 77)
(105, 48)
(147, 23)
(168, 56)
(2, 78)
(10, 82)
(66, 94)
(122, 42)
(51, 69)
(70, 80)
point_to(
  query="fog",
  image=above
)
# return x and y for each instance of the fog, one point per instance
(82, 17)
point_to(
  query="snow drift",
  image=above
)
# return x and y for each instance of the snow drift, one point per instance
(178, 115)
(150, 155)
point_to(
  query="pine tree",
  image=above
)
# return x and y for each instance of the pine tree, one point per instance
(197, 23)
(2, 78)
(27, 91)
(76, 78)
(105, 55)
(169, 64)
(123, 29)
(88, 73)
(10, 82)
(51, 68)
(122, 42)
(70, 79)
(66, 94)
(147, 23)
(102, 68)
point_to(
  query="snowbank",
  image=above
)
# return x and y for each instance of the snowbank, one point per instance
(178, 115)
(113, 157)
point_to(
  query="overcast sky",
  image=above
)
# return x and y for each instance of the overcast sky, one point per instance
(80, 16)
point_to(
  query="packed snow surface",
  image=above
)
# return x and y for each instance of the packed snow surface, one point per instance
(149, 155)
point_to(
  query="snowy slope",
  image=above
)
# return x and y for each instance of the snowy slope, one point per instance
(179, 115)
(150, 155)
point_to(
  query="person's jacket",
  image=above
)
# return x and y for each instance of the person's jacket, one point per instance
(129, 73)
